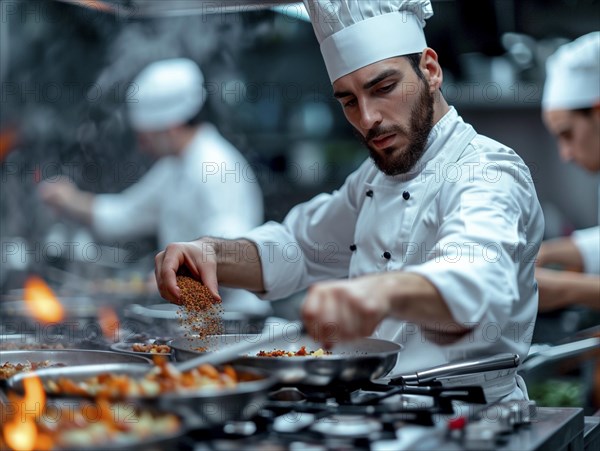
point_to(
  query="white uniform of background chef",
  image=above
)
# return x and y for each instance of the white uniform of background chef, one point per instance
(447, 242)
(201, 184)
(571, 112)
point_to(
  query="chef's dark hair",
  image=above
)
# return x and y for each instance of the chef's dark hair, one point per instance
(584, 111)
(200, 117)
(414, 59)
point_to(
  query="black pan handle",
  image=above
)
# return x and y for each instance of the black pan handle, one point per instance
(497, 362)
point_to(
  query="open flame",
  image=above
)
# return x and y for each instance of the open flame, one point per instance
(41, 302)
(20, 433)
(109, 323)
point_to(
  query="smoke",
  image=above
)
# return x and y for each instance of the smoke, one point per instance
(63, 88)
(211, 41)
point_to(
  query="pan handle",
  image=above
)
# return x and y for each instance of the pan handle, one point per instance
(558, 352)
(497, 362)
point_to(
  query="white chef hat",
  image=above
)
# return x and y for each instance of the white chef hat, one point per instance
(573, 75)
(356, 33)
(165, 93)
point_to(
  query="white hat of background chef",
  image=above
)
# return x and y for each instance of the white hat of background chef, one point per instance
(573, 75)
(166, 93)
(356, 33)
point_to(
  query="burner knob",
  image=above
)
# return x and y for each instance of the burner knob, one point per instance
(522, 412)
(481, 436)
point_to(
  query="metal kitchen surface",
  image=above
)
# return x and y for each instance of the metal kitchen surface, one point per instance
(296, 420)
(412, 412)
(552, 429)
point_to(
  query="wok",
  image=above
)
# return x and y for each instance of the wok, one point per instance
(204, 407)
(360, 360)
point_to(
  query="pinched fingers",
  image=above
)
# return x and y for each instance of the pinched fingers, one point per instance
(166, 264)
(330, 315)
(194, 257)
(342, 311)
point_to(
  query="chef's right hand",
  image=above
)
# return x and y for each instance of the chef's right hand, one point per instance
(199, 257)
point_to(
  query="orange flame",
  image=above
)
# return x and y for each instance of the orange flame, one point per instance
(21, 433)
(109, 323)
(35, 396)
(41, 302)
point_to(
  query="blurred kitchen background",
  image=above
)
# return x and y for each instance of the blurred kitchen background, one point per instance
(65, 67)
(64, 70)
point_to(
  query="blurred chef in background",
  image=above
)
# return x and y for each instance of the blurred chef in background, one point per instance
(571, 113)
(418, 246)
(200, 184)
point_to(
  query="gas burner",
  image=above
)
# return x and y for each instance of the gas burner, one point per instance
(352, 426)
(287, 394)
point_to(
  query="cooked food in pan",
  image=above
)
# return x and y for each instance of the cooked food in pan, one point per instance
(151, 348)
(302, 352)
(163, 378)
(8, 369)
(14, 362)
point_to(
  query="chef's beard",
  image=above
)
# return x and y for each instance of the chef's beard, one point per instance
(157, 145)
(388, 160)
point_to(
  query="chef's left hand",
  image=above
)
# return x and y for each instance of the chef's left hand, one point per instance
(343, 310)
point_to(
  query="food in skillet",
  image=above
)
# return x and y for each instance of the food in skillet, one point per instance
(302, 352)
(151, 348)
(8, 369)
(92, 425)
(163, 378)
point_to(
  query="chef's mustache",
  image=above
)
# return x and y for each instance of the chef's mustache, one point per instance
(381, 130)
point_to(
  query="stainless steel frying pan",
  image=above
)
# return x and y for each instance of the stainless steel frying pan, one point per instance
(359, 360)
(204, 407)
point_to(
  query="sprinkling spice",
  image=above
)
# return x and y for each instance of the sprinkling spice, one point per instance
(201, 315)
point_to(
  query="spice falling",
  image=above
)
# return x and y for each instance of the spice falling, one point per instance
(202, 315)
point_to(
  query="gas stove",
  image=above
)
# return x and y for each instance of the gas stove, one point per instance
(428, 418)
(412, 412)
(378, 416)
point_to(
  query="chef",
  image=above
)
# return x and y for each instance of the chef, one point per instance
(199, 185)
(571, 112)
(430, 243)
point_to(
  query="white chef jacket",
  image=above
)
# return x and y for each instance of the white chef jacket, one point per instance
(467, 218)
(588, 243)
(209, 190)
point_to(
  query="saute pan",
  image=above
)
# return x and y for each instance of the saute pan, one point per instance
(203, 407)
(68, 358)
(355, 361)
